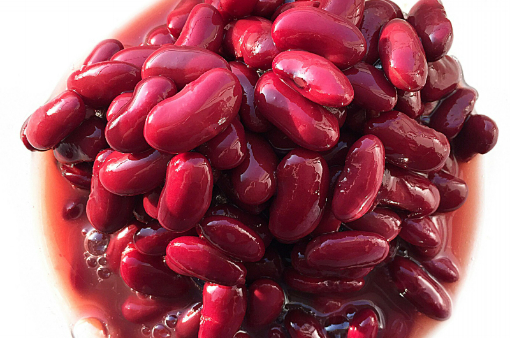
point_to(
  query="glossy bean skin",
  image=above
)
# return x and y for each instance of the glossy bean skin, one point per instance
(118, 243)
(364, 325)
(430, 252)
(443, 78)
(52, 122)
(181, 64)
(314, 77)
(478, 136)
(188, 324)
(258, 48)
(196, 114)
(235, 33)
(408, 144)
(187, 193)
(329, 223)
(377, 13)
(325, 34)
(266, 8)
(224, 183)
(79, 174)
(270, 266)
(223, 311)
(371, 88)
(177, 18)
(303, 325)
(203, 28)
(237, 9)
(135, 55)
(250, 117)
(23, 135)
(149, 275)
(140, 310)
(106, 211)
(442, 268)
(303, 178)
(124, 132)
(265, 302)
(153, 239)
(233, 238)
(356, 188)
(428, 296)
(429, 19)
(421, 232)
(380, 221)
(321, 285)
(349, 249)
(254, 180)
(453, 190)
(304, 122)
(103, 51)
(296, 4)
(83, 144)
(398, 44)
(133, 174)
(450, 114)
(409, 103)
(409, 192)
(98, 84)
(228, 149)
(352, 10)
(150, 202)
(158, 36)
(117, 104)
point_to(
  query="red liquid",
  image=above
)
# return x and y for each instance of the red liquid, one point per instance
(91, 296)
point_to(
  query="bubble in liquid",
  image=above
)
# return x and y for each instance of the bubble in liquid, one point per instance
(91, 262)
(104, 273)
(160, 331)
(146, 331)
(89, 328)
(171, 320)
(96, 242)
(73, 210)
(102, 261)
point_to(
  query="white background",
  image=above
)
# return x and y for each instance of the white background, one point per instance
(41, 39)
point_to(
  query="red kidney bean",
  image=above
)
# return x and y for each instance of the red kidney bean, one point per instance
(203, 28)
(117, 104)
(329, 223)
(408, 191)
(100, 83)
(265, 302)
(408, 144)
(159, 36)
(254, 180)
(289, 5)
(424, 252)
(380, 221)
(361, 178)
(377, 13)
(296, 211)
(450, 114)
(429, 19)
(453, 190)
(314, 77)
(270, 266)
(118, 243)
(478, 136)
(83, 144)
(235, 33)
(79, 174)
(153, 239)
(236, 9)
(150, 275)
(233, 238)
(325, 34)
(338, 154)
(179, 15)
(420, 232)
(228, 149)
(250, 117)
(304, 122)
(189, 322)
(442, 268)
(103, 51)
(364, 325)
(303, 325)
(223, 311)
(258, 49)
(124, 131)
(133, 174)
(402, 56)
(225, 185)
(443, 78)
(409, 103)
(52, 122)
(451, 166)
(181, 64)
(150, 202)
(371, 88)
(428, 296)
(280, 142)
(199, 112)
(352, 10)
(187, 193)
(266, 8)
(188, 255)
(135, 55)
(23, 135)
(141, 310)
(106, 211)
(349, 249)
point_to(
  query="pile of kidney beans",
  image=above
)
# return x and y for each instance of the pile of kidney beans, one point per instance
(264, 147)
